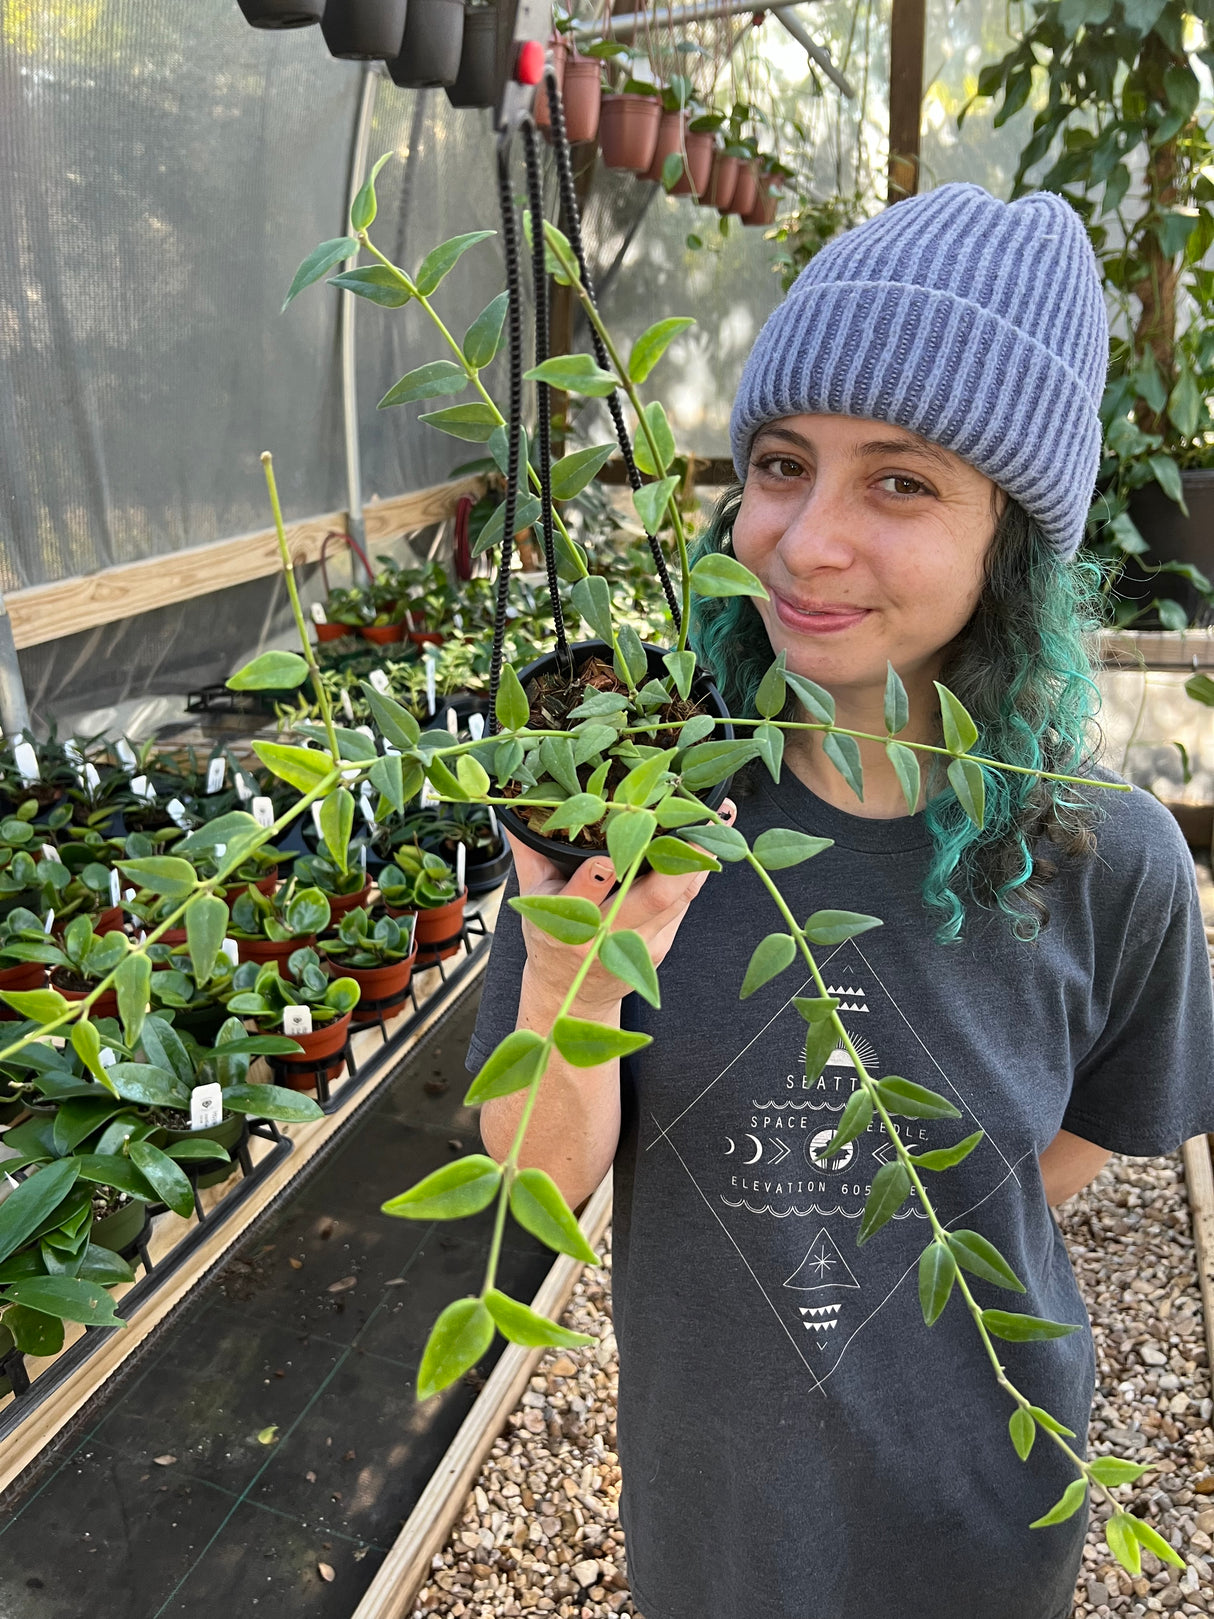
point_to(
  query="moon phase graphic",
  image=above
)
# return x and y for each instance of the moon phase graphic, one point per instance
(758, 1150)
(814, 1146)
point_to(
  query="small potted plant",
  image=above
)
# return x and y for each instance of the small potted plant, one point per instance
(430, 51)
(629, 116)
(264, 995)
(378, 955)
(363, 30)
(424, 883)
(197, 1009)
(476, 82)
(343, 889)
(268, 927)
(79, 965)
(17, 971)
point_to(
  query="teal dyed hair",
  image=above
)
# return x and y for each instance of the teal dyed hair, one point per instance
(1023, 670)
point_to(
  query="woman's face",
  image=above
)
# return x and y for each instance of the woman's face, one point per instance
(870, 542)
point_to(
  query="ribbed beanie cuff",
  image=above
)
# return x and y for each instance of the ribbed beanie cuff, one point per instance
(978, 324)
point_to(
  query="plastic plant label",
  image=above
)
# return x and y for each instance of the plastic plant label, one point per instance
(317, 611)
(461, 859)
(49, 852)
(206, 1106)
(92, 778)
(115, 888)
(49, 923)
(365, 730)
(142, 788)
(451, 721)
(262, 811)
(368, 810)
(107, 1056)
(493, 822)
(129, 895)
(476, 726)
(388, 748)
(316, 820)
(245, 789)
(177, 812)
(347, 707)
(126, 753)
(362, 857)
(26, 761)
(379, 681)
(429, 684)
(296, 1020)
(231, 950)
(216, 772)
(428, 797)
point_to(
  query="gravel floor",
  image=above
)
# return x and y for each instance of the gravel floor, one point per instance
(540, 1532)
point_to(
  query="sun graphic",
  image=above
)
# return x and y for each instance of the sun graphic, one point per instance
(839, 1058)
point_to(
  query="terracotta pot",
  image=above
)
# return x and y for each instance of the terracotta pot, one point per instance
(263, 885)
(25, 975)
(173, 937)
(763, 210)
(339, 904)
(697, 168)
(558, 55)
(327, 1041)
(628, 131)
(722, 182)
(106, 1004)
(426, 637)
(333, 632)
(745, 189)
(670, 138)
(378, 984)
(364, 30)
(438, 926)
(272, 949)
(111, 920)
(383, 634)
(282, 13)
(583, 97)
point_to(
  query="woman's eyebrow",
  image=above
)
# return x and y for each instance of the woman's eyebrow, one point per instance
(905, 446)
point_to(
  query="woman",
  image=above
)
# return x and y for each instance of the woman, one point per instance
(917, 434)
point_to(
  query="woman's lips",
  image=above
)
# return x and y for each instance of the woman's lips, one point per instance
(820, 618)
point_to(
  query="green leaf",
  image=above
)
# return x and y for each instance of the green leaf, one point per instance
(561, 916)
(574, 374)
(272, 1102)
(28, 1204)
(133, 982)
(376, 283)
(304, 768)
(891, 1183)
(86, 1043)
(966, 779)
(710, 762)
(1066, 1506)
(659, 430)
(556, 759)
(395, 722)
(526, 515)
(960, 732)
(586, 1044)
(511, 705)
(1112, 1471)
(427, 382)
(1020, 1329)
(167, 1178)
(779, 847)
(674, 857)
(319, 262)
(651, 500)
(206, 923)
(523, 1325)
(162, 874)
(816, 1009)
(441, 260)
(362, 209)
(1123, 1542)
(336, 824)
(572, 473)
(646, 781)
(472, 776)
(626, 956)
(725, 842)
(937, 1273)
(33, 1332)
(583, 809)
(897, 707)
(772, 692)
(445, 782)
(271, 671)
(1045, 1420)
(717, 575)
(814, 699)
(201, 1150)
(820, 1040)
(630, 661)
(856, 1118)
(592, 598)
(388, 776)
(832, 927)
(844, 753)
(770, 957)
(1154, 1542)
(1201, 689)
(628, 835)
(682, 667)
(1167, 476)
(483, 338)
(68, 1298)
(474, 422)
(451, 1193)
(460, 1337)
(653, 343)
(1023, 1431)
(1185, 403)
(510, 1067)
(536, 1203)
(911, 1101)
(975, 1254)
(906, 767)
(149, 1084)
(946, 1157)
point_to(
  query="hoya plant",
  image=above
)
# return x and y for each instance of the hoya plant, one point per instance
(417, 881)
(321, 870)
(362, 943)
(289, 913)
(262, 993)
(83, 959)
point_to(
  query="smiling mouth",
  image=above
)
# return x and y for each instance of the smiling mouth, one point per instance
(818, 618)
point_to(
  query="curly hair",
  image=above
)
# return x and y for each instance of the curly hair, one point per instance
(1023, 669)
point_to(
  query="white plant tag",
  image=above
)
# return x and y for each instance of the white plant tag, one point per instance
(142, 788)
(430, 685)
(206, 1106)
(461, 862)
(362, 857)
(296, 1020)
(263, 811)
(365, 730)
(347, 707)
(49, 852)
(379, 681)
(476, 726)
(231, 950)
(219, 851)
(126, 753)
(451, 721)
(317, 611)
(129, 895)
(368, 810)
(92, 778)
(217, 772)
(49, 923)
(26, 761)
(316, 820)
(107, 1056)
(177, 812)
(493, 822)
(115, 888)
(428, 795)
(245, 789)
(388, 748)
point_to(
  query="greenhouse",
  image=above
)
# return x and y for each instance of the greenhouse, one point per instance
(607, 927)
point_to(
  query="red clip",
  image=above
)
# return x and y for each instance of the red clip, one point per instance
(529, 68)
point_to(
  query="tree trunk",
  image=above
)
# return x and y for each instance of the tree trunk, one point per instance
(1156, 292)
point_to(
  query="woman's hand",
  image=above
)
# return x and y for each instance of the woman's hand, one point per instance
(654, 907)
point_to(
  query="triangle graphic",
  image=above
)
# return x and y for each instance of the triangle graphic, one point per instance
(823, 1266)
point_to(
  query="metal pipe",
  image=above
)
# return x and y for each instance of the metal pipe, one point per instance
(816, 53)
(14, 710)
(349, 306)
(630, 21)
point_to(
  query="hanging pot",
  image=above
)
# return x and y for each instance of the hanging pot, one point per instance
(697, 166)
(364, 30)
(628, 130)
(722, 182)
(229, 1133)
(1173, 537)
(430, 51)
(763, 209)
(746, 188)
(121, 1230)
(282, 13)
(670, 139)
(567, 857)
(476, 82)
(558, 54)
(583, 97)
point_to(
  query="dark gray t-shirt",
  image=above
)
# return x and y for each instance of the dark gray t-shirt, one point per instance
(794, 1441)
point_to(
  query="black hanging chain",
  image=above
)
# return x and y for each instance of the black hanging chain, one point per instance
(543, 394)
(573, 221)
(514, 418)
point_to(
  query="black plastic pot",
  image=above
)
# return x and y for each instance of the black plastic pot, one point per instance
(567, 857)
(430, 52)
(476, 83)
(483, 876)
(282, 13)
(1173, 537)
(364, 30)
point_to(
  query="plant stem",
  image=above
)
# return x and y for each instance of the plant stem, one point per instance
(322, 697)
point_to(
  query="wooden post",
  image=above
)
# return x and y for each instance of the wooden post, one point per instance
(562, 304)
(908, 26)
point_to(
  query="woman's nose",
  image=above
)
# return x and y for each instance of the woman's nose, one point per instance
(823, 532)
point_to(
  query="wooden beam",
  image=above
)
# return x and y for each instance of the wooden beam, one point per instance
(48, 612)
(907, 32)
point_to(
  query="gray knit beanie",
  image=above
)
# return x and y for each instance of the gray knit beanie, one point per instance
(976, 323)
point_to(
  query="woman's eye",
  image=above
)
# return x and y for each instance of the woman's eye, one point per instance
(782, 465)
(900, 484)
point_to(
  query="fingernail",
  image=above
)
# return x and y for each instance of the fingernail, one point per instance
(601, 872)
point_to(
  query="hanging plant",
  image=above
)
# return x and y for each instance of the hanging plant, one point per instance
(364, 30)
